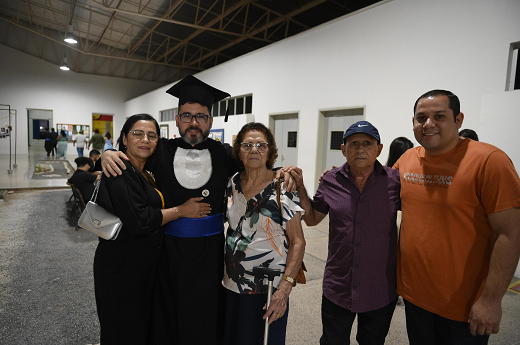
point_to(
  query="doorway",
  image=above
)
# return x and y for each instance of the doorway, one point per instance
(103, 123)
(37, 121)
(334, 123)
(285, 130)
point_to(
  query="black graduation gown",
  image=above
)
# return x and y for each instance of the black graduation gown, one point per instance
(189, 306)
(125, 269)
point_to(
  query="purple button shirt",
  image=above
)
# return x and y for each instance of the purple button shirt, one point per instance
(360, 274)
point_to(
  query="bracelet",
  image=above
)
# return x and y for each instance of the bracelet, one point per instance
(176, 210)
(290, 280)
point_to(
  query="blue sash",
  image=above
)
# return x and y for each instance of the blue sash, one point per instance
(195, 227)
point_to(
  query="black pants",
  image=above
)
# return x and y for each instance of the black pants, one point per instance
(426, 328)
(337, 323)
(244, 324)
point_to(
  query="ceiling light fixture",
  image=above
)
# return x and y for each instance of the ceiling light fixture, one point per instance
(69, 37)
(64, 65)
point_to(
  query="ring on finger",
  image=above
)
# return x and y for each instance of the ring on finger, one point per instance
(201, 214)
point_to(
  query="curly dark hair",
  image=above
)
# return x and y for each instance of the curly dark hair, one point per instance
(272, 152)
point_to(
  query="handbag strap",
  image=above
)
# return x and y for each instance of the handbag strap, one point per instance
(281, 212)
(94, 194)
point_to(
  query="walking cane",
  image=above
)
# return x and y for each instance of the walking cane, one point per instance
(271, 273)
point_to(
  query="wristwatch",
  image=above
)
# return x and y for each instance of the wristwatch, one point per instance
(290, 280)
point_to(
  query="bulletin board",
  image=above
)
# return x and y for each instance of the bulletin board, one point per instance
(73, 130)
(217, 134)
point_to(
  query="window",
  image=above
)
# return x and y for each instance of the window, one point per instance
(336, 139)
(513, 68)
(168, 115)
(235, 106)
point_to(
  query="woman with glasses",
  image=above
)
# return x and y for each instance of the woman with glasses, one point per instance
(256, 237)
(125, 268)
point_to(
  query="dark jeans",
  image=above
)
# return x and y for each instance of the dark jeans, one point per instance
(337, 323)
(244, 324)
(426, 328)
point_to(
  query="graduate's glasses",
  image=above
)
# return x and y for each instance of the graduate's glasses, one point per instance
(187, 117)
(139, 134)
(260, 147)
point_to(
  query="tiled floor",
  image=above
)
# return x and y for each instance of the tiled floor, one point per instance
(20, 178)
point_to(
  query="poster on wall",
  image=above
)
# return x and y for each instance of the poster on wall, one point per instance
(73, 130)
(217, 134)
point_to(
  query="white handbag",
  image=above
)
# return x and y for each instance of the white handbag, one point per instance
(98, 220)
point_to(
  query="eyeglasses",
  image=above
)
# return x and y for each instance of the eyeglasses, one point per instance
(260, 147)
(187, 117)
(139, 134)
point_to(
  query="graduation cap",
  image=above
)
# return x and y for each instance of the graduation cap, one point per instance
(191, 89)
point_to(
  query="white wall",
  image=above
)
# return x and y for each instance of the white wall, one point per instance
(382, 59)
(30, 83)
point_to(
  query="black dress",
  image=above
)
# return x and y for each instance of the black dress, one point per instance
(84, 182)
(125, 269)
(189, 303)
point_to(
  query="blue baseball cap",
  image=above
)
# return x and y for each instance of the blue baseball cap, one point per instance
(362, 127)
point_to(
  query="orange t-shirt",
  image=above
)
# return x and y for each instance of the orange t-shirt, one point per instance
(446, 238)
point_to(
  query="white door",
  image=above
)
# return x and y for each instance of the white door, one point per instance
(286, 136)
(336, 123)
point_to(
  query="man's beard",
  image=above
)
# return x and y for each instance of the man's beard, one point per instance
(194, 140)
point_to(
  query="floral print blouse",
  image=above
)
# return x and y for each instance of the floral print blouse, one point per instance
(255, 236)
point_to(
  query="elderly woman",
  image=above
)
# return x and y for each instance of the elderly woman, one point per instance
(255, 237)
(125, 268)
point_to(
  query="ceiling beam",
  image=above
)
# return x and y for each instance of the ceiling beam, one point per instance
(257, 31)
(172, 21)
(172, 8)
(211, 23)
(256, 4)
(110, 22)
(61, 43)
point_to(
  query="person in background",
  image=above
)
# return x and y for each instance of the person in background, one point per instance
(255, 237)
(94, 156)
(468, 133)
(398, 146)
(460, 235)
(54, 140)
(97, 141)
(362, 198)
(61, 151)
(125, 268)
(82, 179)
(80, 141)
(109, 142)
(48, 141)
